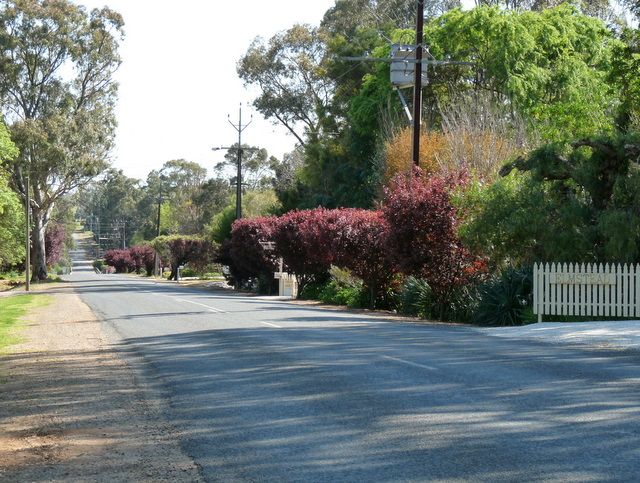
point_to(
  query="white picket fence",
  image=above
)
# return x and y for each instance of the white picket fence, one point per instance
(586, 290)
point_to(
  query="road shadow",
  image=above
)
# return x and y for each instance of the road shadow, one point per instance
(308, 404)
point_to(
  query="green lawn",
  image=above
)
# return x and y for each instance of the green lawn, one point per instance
(11, 310)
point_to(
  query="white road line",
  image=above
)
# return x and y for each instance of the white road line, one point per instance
(211, 309)
(270, 324)
(415, 364)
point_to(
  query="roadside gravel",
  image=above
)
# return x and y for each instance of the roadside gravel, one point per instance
(72, 408)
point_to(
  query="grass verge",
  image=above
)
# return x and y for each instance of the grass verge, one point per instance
(11, 310)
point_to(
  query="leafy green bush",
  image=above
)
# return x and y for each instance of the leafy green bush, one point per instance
(11, 275)
(353, 296)
(342, 288)
(505, 298)
(188, 272)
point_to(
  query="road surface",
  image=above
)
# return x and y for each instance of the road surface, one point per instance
(264, 390)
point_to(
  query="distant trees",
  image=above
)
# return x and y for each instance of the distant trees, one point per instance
(56, 85)
(112, 201)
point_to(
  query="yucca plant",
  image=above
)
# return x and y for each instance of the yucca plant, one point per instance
(505, 298)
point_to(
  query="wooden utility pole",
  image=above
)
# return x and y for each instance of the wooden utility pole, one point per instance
(417, 88)
(156, 261)
(238, 127)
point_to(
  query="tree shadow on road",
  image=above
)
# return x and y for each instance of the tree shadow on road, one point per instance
(308, 404)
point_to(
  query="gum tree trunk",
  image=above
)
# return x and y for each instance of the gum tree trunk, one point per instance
(38, 248)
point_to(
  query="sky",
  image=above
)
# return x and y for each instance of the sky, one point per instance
(178, 80)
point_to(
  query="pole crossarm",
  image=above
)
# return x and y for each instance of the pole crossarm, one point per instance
(239, 128)
(390, 60)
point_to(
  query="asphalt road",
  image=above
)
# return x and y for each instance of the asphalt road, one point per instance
(271, 391)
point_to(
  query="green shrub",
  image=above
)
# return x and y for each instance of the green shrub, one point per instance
(350, 295)
(188, 272)
(11, 275)
(342, 288)
(505, 298)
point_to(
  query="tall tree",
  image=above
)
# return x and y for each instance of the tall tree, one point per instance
(56, 84)
(289, 71)
(550, 66)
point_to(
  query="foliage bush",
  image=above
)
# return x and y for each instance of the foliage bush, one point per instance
(180, 250)
(120, 260)
(143, 257)
(248, 257)
(304, 239)
(398, 149)
(423, 239)
(55, 241)
(98, 265)
(360, 246)
(415, 297)
(573, 202)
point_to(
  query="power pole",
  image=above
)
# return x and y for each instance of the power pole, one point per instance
(98, 229)
(156, 262)
(417, 88)
(400, 82)
(238, 127)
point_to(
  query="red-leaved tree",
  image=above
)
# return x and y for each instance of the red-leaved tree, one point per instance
(120, 260)
(54, 241)
(422, 238)
(249, 257)
(180, 250)
(360, 245)
(143, 256)
(304, 239)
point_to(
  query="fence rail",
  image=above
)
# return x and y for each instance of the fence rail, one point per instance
(607, 290)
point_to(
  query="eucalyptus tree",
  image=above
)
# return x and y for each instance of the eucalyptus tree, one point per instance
(57, 63)
(290, 72)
